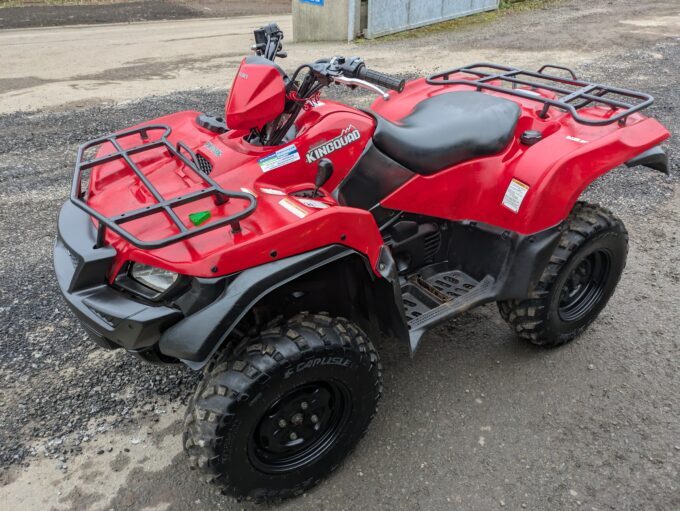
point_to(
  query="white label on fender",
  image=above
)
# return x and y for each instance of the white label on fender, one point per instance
(280, 158)
(514, 195)
(576, 139)
(272, 191)
(293, 208)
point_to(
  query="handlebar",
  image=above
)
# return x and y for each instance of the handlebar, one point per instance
(351, 72)
(381, 79)
(268, 44)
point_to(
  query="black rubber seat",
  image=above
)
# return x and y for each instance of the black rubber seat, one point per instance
(448, 129)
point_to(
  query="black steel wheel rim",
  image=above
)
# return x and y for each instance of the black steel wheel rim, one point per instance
(300, 427)
(585, 286)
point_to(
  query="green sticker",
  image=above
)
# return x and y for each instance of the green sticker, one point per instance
(199, 218)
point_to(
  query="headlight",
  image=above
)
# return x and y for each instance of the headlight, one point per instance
(155, 278)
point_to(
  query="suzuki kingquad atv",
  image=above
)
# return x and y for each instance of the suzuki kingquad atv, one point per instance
(272, 249)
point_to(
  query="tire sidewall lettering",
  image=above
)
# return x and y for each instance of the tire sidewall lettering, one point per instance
(318, 362)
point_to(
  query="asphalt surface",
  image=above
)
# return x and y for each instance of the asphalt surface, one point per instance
(51, 15)
(477, 420)
(72, 67)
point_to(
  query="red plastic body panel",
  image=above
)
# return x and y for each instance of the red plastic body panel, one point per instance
(557, 169)
(257, 96)
(274, 230)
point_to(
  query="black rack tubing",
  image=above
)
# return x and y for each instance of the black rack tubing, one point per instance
(162, 205)
(128, 216)
(552, 88)
(156, 194)
(583, 93)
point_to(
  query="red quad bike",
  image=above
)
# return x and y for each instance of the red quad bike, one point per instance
(270, 250)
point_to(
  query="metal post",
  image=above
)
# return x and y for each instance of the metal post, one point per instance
(351, 20)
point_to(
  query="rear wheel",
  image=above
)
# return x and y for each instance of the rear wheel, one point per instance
(281, 411)
(580, 278)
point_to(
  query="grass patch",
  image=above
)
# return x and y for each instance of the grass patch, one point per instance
(505, 8)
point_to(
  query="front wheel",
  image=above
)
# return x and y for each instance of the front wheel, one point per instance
(580, 278)
(281, 411)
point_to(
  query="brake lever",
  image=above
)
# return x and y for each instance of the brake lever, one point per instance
(355, 82)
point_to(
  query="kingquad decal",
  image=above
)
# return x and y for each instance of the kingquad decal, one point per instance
(349, 134)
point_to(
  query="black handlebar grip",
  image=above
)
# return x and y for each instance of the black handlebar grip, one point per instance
(381, 79)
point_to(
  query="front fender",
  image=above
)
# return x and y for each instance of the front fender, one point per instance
(195, 339)
(198, 336)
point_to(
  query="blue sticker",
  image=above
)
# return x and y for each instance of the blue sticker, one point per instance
(315, 2)
(279, 158)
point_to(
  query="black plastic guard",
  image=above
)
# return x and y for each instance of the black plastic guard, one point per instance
(109, 317)
(373, 178)
(78, 235)
(654, 158)
(195, 339)
(389, 303)
(516, 261)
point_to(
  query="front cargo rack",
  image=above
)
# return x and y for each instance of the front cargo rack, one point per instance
(162, 206)
(573, 94)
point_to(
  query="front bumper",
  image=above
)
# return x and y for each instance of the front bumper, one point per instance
(110, 317)
(212, 307)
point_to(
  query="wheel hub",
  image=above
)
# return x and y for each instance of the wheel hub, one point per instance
(300, 426)
(584, 287)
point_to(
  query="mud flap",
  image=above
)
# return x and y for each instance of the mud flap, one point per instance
(654, 158)
(391, 304)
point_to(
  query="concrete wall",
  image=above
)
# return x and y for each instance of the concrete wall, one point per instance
(328, 22)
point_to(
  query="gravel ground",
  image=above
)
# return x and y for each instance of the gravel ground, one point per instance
(596, 422)
(96, 390)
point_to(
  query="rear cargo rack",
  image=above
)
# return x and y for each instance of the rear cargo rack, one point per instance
(573, 94)
(162, 206)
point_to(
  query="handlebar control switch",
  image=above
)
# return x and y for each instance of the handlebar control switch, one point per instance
(351, 66)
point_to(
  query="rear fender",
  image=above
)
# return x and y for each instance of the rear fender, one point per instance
(554, 190)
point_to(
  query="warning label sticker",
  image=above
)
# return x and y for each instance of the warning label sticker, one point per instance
(514, 195)
(311, 203)
(293, 208)
(279, 158)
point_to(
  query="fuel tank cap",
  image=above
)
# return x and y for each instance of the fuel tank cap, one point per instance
(531, 137)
